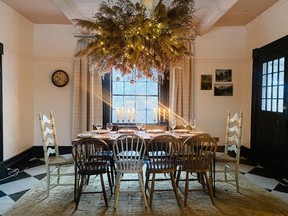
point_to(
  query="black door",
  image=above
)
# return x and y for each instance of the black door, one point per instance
(269, 135)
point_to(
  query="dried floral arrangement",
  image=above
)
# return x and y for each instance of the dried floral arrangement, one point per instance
(136, 40)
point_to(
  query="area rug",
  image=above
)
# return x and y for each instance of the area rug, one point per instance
(252, 200)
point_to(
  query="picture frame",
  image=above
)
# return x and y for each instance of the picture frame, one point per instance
(223, 89)
(206, 82)
(223, 75)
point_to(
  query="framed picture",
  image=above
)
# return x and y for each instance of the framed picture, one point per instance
(223, 89)
(206, 82)
(223, 75)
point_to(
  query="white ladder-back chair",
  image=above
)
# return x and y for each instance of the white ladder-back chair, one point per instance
(233, 141)
(53, 160)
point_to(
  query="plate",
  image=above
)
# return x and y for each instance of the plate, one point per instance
(181, 131)
(101, 131)
(126, 131)
(155, 131)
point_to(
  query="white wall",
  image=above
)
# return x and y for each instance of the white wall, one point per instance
(222, 48)
(54, 49)
(18, 81)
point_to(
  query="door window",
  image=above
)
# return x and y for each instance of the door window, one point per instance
(273, 85)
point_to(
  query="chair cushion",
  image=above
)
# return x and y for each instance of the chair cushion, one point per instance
(60, 160)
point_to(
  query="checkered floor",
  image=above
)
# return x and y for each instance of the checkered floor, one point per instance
(12, 188)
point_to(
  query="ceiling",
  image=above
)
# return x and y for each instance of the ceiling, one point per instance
(208, 12)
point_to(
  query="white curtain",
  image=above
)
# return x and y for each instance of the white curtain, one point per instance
(181, 91)
(87, 98)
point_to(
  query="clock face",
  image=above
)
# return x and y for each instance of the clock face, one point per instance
(60, 78)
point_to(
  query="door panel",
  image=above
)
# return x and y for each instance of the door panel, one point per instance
(269, 134)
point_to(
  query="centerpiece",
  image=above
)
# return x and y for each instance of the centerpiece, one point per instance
(136, 40)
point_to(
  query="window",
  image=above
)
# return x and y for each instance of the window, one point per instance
(133, 102)
(273, 85)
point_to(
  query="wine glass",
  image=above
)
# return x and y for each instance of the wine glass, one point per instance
(193, 124)
(99, 127)
(138, 125)
(109, 126)
(143, 126)
(172, 124)
(185, 123)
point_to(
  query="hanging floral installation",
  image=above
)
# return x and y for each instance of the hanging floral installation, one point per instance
(135, 40)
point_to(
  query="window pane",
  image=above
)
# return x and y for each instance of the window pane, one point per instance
(268, 92)
(275, 78)
(117, 102)
(263, 107)
(129, 102)
(130, 88)
(280, 105)
(264, 68)
(281, 78)
(281, 64)
(264, 80)
(141, 102)
(141, 116)
(281, 92)
(275, 88)
(269, 67)
(141, 88)
(268, 105)
(118, 87)
(152, 102)
(269, 80)
(275, 65)
(150, 116)
(274, 105)
(152, 88)
(264, 92)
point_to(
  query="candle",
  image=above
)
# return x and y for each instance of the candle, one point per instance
(169, 114)
(164, 115)
(159, 114)
(133, 115)
(118, 115)
(122, 115)
(154, 114)
(128, 115)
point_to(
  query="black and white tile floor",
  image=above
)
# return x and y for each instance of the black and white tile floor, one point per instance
(13, 188)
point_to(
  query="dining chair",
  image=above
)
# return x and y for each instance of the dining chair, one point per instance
(229, 159)
(162, 159)
(54, 162)
(129, 153)
(90, 158)
(198, 152)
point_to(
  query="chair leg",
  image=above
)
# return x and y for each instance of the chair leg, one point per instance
(112, 167)
(58, 174)
(109, 180)
(186, 189)
(208, 187)
(178, 176)
(147, 180)
(175, 188)
(140, 176)
(237, 177)
(48, 182)
(152, 189)
(79, 191)
(117, 189)
(103, 190)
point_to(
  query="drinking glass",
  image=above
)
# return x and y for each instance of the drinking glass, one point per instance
(138, 125)
(193, 124)
(185, 123)
(109, 126)
(143, 126)
(172, 124)
(99, 127)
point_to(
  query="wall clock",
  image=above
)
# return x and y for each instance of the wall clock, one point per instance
(60, 78)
